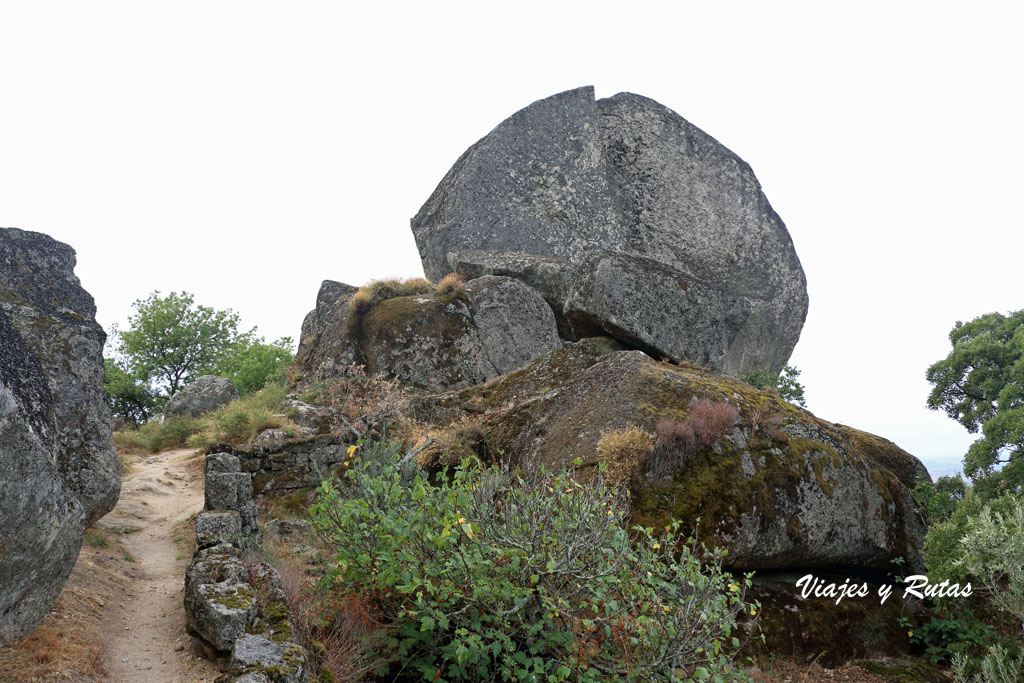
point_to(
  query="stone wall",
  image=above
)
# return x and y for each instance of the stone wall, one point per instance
(292, 465)
(234, 602)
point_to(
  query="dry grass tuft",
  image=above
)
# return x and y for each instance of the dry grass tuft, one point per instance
(452, 284)
(624, 451)
(339, 631)
(376, 291)
(452, 445)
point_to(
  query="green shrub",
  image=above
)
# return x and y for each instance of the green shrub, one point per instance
(485, 575)
(999, 665)
(953, 632)
(154, 436)
(784, 384)
(128, 440)
(985, 543)
(252, 364)
(993, 551)
(943, 547)
(242, 420)
(939, 500)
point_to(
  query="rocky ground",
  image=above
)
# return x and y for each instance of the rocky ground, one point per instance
(120, 617)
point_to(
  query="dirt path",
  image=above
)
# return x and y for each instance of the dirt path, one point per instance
(146, 631)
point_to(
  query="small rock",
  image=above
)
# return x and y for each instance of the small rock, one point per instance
(206, 394)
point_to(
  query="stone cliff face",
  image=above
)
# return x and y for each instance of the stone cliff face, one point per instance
(600, 185)
(59, 470)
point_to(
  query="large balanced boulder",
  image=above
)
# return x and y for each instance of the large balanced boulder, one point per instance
(202, 396)
(779, 488)
(58, 467)
(568, 178)
(432, 341)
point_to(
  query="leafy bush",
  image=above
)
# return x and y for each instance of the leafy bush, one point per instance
(488, 575)
(994, 552)
(943, 548)
(784, 384)
(951, 633)
(981, 543)
(939, 500)
(172, 432)
(677, 442)
(998, 666)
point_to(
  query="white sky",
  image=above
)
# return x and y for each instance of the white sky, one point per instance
(245, 151)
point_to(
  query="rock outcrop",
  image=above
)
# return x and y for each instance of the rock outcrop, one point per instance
(58, 467)
(325, 342)
(551, 277)
(430, 341)
(569, 178)
(781, 489)
(202, 396)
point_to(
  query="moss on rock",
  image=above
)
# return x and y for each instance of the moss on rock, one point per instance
(784, 487)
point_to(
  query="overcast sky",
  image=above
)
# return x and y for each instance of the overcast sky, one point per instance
(245, 151)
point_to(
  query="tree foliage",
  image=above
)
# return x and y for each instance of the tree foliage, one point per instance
(171, 341)
(939, 500)
(251, 364)
(128, 397)
(784, 384)
(980, 384)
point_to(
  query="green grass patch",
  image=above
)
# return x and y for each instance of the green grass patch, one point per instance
(96, 538)
(238, 422)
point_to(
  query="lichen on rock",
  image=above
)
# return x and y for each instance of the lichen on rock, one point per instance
(58, 468)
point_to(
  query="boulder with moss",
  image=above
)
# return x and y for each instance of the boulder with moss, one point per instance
(780, 488)
(59, 471)
(571, 176)
(430, 340)
(280, 662)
